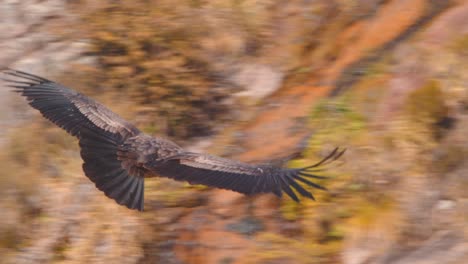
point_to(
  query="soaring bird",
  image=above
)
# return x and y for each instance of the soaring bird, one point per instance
(117, 156)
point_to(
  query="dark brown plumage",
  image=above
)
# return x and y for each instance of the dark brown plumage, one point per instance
(117, 156)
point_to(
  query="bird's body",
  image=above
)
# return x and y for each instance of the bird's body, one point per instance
(118, 156)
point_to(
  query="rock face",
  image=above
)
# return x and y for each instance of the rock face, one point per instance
(26, 40)
(27, 44)
(67, 220)
(258, 80)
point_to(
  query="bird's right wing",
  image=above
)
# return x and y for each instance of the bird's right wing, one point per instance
(241, 177)
(68, 109)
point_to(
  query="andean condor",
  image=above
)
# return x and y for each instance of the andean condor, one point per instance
(118, 157)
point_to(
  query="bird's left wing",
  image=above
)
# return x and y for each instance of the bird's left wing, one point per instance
(242, 177)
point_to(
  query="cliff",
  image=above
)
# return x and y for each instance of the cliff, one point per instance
(261, 80)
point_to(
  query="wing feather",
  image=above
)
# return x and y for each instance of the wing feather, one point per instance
(100, 132)
(65, 107)
(240, 177)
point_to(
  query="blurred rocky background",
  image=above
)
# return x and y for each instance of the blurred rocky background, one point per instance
(256, 81)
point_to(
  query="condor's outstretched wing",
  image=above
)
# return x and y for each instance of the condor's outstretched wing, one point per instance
(99, 130)
(241, 177)
(65, 107)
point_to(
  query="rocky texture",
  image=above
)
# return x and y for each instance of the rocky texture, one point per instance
(383, 32)
(259, 80)
(27, 43)
(400, 198)
(25, 40)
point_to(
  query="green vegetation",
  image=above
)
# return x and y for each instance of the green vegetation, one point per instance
(350, 201)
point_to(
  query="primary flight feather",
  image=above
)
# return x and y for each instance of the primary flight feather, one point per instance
(117, 156)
